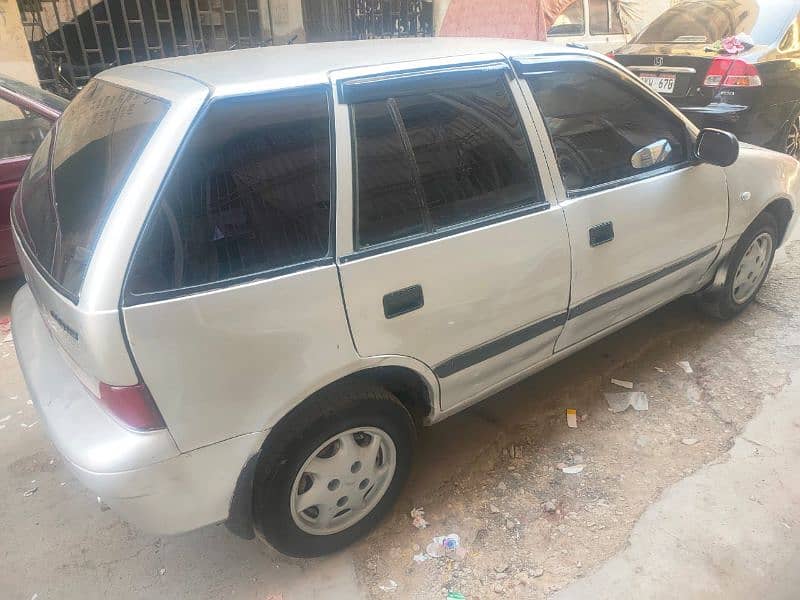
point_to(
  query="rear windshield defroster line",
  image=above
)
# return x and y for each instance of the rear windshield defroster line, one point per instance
(67, 193)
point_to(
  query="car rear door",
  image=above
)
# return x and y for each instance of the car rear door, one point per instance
(640, 235)
(452, 250)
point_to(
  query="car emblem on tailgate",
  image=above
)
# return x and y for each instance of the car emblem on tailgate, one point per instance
(658, 61)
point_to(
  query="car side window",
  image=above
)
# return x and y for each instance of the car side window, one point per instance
(569, 22)
(250, 193)
(603, 18)
(21, 131)
(439, 158)
(597, 122)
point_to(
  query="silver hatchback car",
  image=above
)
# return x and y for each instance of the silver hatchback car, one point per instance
(251, 275)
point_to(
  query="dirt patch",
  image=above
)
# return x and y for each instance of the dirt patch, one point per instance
(40, 462)
(492, 474)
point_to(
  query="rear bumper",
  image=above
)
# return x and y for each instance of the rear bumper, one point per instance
(142, 476)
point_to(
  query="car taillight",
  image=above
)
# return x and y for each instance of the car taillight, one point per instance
(132, 405)
(726, 71)
(612, 55)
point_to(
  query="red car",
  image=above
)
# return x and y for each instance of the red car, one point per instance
(26, 115)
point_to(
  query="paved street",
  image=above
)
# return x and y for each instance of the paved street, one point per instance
(696, 497)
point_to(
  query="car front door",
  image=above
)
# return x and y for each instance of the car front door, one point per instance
(645, 220)
(452, 250)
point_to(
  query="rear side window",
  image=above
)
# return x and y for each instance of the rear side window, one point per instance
(250, 193)
(597, 121)
(63, 203)
(429, 161)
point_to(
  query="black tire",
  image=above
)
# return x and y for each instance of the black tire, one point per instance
(720, 303)
(293, 441)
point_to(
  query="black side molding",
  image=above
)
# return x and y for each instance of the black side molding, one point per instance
(632, 286)
(486, 351)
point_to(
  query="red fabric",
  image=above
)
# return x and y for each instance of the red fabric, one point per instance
(521, 19)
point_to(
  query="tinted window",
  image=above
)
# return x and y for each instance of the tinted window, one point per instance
(570, 21)
(432, 160)
(98, 139)
(597, 122)
(250, 193)
(21, 131)
(712, 20)
(603, 18)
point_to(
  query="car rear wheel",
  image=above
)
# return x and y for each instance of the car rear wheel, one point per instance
(332, 469)
(750, 263)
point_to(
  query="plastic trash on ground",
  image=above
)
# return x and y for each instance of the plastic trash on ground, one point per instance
(456, 596)
(573, 469)
(572, 418)
(625, 384)
(389, 586)
(684, 364)
(418, 518)
(444, 545)
(619, 402)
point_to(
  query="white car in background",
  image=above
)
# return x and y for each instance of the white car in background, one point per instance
(597, 24)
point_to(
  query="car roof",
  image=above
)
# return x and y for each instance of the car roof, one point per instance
(303, 64)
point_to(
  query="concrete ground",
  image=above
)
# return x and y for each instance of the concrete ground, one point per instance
(698, 497)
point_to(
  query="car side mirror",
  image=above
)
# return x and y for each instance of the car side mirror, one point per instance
(717, 147)
(651, 155)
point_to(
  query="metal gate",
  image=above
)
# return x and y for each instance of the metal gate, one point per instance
(328, 20)
(72, 40)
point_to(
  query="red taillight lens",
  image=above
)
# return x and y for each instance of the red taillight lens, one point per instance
(726, 71)
(133, 405)
(612, 55)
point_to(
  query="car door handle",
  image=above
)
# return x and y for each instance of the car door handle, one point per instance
(403, 301)
(601, 234)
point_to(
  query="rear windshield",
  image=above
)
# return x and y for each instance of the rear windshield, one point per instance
(713, 20)
(73, 180)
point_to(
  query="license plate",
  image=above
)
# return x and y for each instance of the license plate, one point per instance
(663, 84)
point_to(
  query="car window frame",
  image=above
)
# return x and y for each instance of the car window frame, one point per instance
(129, 299)
(526, 67)
(390, 80)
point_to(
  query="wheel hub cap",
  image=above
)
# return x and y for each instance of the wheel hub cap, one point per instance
(343, 480)
(752, 268)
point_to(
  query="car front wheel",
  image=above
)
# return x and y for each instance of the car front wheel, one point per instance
(332, 470)
(750, 263)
